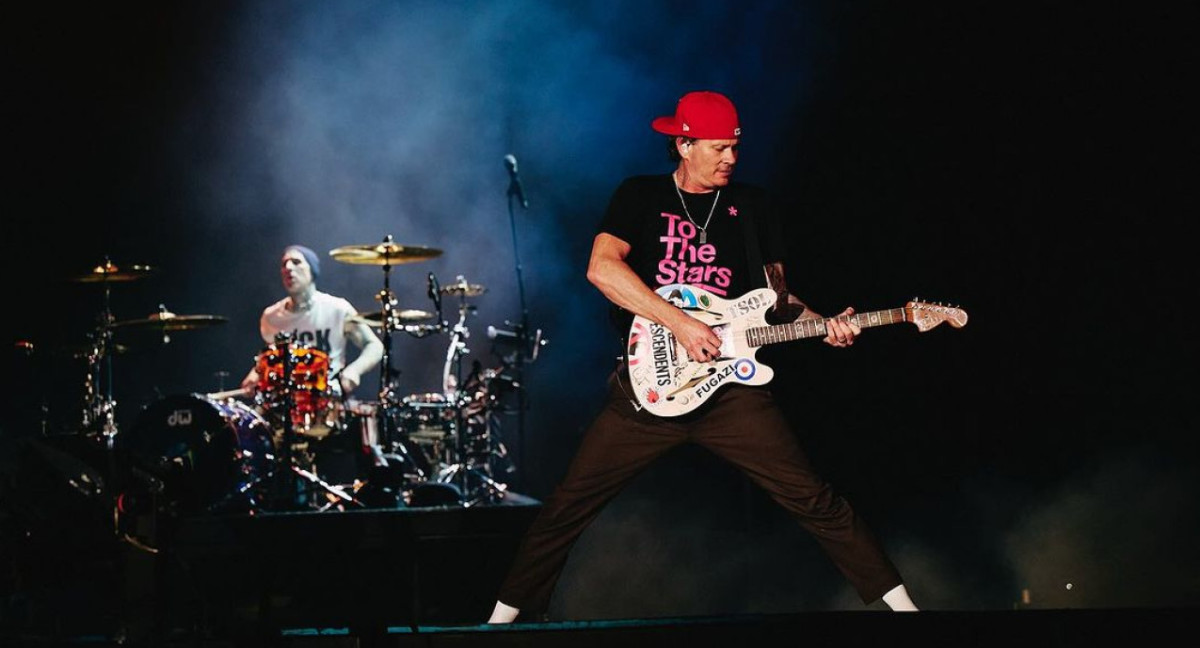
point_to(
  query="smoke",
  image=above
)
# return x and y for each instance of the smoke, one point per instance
(1117, 533)
(332, 124)
(202, 138)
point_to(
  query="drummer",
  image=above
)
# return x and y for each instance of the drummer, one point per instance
(317, 320)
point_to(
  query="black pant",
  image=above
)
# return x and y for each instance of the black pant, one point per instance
(741, 424)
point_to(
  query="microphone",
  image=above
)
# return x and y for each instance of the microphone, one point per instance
(514, 187)
(494, 333)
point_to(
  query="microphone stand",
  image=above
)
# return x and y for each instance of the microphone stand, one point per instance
(522, 329)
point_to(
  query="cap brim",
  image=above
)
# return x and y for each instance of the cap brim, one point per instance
(666, 126)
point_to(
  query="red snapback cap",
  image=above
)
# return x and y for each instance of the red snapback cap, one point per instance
(701, 115)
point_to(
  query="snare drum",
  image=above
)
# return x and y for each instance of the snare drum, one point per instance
(312, 411)
(428, 416)
(428, 423)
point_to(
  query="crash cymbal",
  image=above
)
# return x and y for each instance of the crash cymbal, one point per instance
(110, 272)
(463, 289)
(406, 316)
(383, 253)
(171, 322)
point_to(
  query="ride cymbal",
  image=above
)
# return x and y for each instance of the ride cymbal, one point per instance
(171, 322)
(383, 253)
(110, 272)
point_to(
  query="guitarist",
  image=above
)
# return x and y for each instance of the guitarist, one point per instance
(694, 226)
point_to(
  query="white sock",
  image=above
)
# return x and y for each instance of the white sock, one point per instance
(897, 599)
(503, 613)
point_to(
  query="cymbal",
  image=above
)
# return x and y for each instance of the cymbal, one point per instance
(383, 253)
(463, 289)
(406, 316)
(111, 272)
(171, 322)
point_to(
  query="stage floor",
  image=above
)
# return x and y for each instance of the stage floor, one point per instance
(72, 574)
(423, 575)
(868, 629)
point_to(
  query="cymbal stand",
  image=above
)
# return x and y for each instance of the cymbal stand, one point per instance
(339, 493)
(292, 477)
(99, 412)
(389, 436)
(463, 470)
(452, 369)
(288, 483)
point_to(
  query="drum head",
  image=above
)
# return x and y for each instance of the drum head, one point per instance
(210, 455)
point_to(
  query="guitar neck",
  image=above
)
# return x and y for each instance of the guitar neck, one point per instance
(757, 336)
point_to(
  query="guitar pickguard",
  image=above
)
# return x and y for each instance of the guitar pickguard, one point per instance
(669, 383)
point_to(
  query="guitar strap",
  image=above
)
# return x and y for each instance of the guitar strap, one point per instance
(753, 252)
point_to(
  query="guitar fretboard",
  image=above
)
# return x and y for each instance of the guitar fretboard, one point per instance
(763, 335)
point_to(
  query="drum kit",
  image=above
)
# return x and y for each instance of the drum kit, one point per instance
(233, 452)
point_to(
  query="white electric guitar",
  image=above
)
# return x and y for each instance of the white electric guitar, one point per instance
(669, 383)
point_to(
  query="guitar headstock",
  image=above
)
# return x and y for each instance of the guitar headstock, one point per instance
(926, 315)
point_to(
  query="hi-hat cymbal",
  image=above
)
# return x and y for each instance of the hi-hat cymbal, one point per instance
(171, 322)
(406, 316)
(463, 289)
(383, 253)
(110, 272)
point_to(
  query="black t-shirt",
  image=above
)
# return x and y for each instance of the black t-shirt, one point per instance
(645, 212)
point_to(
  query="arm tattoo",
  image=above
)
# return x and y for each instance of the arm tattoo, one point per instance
(776, 281)
(355, 335)
(788, 307)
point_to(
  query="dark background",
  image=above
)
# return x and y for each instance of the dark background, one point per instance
(1026, 163)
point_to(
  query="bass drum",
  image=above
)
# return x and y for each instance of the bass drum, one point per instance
(209, 456)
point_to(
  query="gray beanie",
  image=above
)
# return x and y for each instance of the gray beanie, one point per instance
(311, 257)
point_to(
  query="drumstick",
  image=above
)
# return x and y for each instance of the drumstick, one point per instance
(229, 393)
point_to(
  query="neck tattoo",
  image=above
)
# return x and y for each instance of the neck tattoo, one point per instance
(703, 228)
(302, 304)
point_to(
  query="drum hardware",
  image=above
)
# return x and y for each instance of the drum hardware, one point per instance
(293, 391)
(337, 496)
(276, 394)
(400, 319)
(99, 408)
(469, 476)
(459, 333)
(87, 351)
(386, 254)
